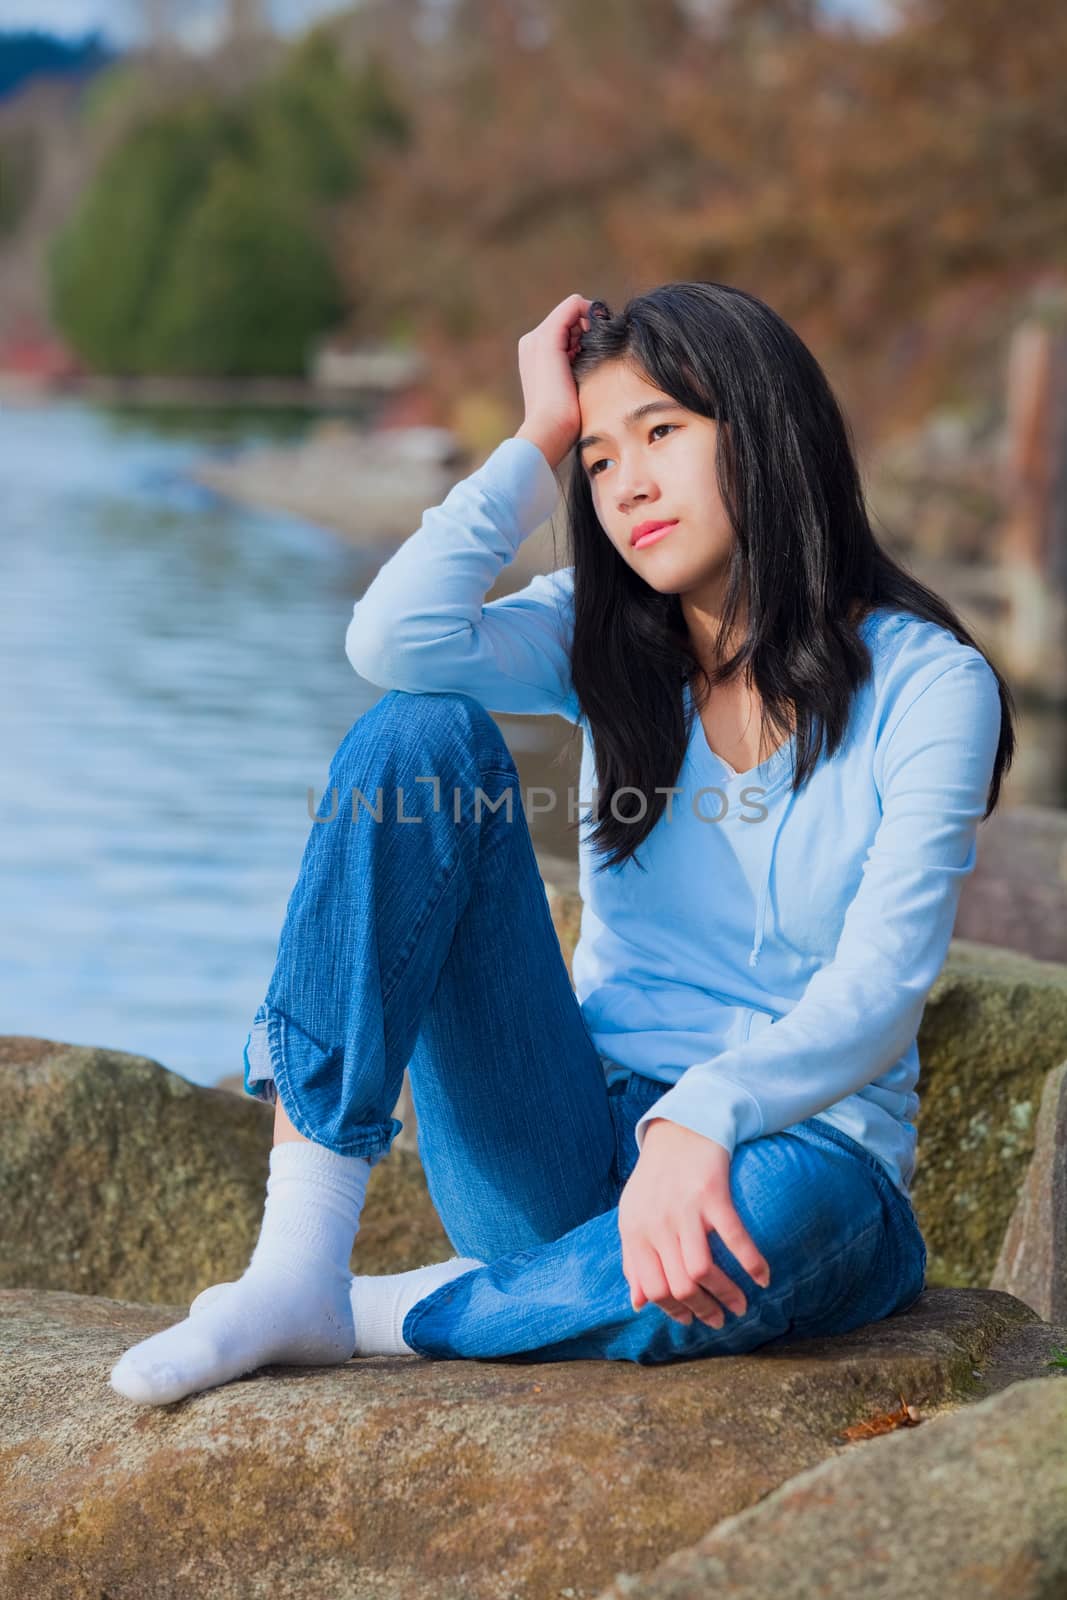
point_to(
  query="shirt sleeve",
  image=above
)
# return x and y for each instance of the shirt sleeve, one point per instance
(862, 1009)
(422, 624)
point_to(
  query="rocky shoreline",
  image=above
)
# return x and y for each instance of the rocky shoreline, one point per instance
(900, 1458)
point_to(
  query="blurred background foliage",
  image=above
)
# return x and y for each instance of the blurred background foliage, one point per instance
(202, 244)
(446, 187)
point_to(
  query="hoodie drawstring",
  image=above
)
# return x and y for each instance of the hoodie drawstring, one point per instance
(761, 904)
(765, 887)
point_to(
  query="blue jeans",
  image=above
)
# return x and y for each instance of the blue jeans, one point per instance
(419, 935)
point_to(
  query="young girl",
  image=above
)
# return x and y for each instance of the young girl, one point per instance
(788, 744)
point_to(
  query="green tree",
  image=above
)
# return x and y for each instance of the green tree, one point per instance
(201, 246)
(107, 264)
(248, 286)
(300, 123)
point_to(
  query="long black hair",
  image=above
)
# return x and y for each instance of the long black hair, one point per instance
(805, 565)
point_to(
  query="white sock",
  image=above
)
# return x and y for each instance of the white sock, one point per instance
(291, 1306)
(380, 1304)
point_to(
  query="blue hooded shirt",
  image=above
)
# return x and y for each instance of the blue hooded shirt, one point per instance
(772, 961)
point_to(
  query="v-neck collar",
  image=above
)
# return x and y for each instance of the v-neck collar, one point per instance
(771, 774)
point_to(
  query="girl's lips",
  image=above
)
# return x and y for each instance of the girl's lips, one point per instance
(650, 538)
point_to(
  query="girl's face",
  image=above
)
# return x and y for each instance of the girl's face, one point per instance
(658, 467)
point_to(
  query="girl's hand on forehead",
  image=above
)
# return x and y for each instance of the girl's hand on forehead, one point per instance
(550, 394)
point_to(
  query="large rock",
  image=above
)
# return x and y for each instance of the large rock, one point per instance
(994, 1027)
(1033, 1257)
(510, 1481)
(975, 1504)
(121, 1178)
(400, 1478)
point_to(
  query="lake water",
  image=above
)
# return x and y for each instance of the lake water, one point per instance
(173, 681)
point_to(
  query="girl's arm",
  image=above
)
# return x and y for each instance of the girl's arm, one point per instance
(422, 624)
(862, 1010)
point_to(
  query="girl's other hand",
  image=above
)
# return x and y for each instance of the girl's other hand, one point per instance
(677, 1194)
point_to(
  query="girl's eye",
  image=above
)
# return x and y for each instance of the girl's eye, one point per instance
(669, 425)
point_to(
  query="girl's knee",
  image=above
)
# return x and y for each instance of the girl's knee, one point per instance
(432, 722)
(801, 1202)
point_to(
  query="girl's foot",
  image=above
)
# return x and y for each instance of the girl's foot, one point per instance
(273, 1314)
(290, 1306)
